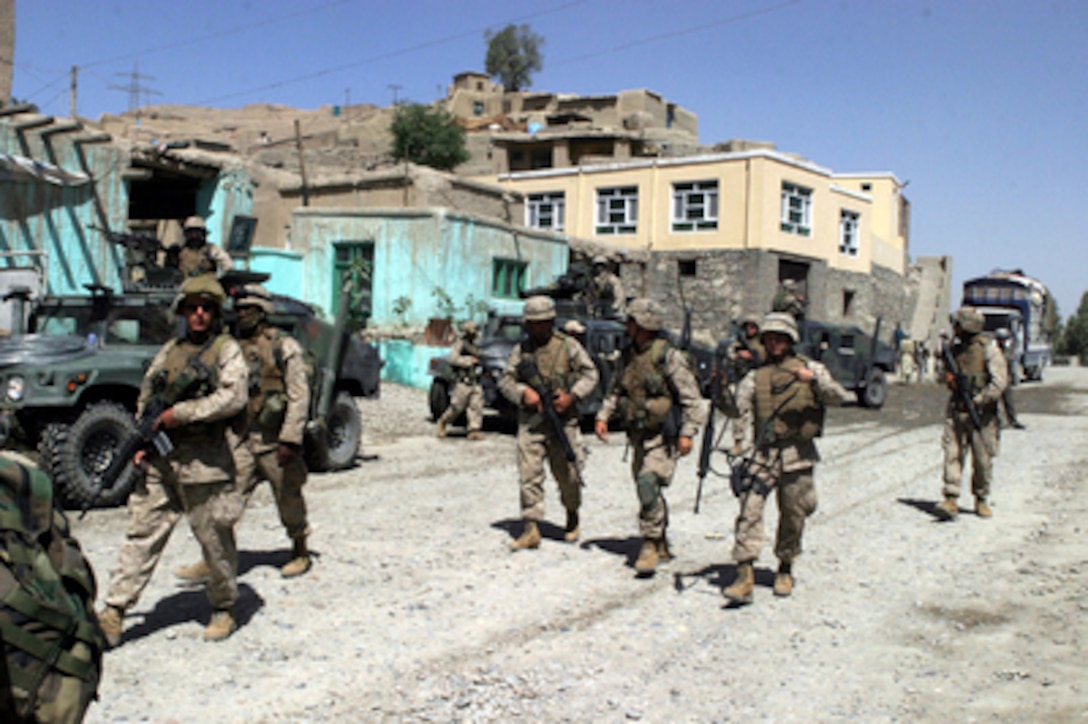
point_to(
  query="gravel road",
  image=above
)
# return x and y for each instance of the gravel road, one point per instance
(416, 611)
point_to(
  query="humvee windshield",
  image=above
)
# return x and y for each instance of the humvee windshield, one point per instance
(121, 325)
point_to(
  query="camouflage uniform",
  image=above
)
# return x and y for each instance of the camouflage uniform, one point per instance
(655, 390)
(204, 258)
(279, 404)
(564, 365)
(468, 394)
(787, 299)
(196, 479)
(742, 366)
(788, 416)
(982, 363)
(608, 287)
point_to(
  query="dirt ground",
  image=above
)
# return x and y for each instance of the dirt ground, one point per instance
(416, 611)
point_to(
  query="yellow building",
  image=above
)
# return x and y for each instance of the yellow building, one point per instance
(751, 200)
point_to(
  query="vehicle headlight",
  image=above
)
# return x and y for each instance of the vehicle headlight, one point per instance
(16, 387)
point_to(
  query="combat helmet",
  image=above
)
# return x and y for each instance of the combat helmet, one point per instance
(255, 295)
(539, 309)
(647, 314)
(469, 328)
(205, 286)
(969, 319)
(782, 323)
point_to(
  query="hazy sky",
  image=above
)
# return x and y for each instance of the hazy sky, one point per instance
(979, 105)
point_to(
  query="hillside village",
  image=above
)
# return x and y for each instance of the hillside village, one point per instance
(553, 178)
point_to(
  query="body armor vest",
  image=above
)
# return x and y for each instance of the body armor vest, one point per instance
(552, 359)
(176, 366)
(970, 357)
(645, 396)
(267, 404)
(787, 410)
(194, 262)
(468, 375)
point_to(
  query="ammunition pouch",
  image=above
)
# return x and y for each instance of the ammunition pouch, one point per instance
(272, 412)
(649, 415)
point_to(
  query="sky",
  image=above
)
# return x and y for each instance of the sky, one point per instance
(980, 107)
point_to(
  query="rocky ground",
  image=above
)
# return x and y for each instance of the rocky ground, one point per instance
(416, 611)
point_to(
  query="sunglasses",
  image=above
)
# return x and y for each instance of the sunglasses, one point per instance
(190, 307)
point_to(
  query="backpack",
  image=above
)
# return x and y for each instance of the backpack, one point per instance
(51, 643)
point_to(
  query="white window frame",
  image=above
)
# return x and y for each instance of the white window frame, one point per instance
(849, 226)
(546, 210)
(796, 210)
(695, 206)
(617, 210)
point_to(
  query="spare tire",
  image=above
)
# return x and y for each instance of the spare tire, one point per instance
(337, 445)
(78, 456)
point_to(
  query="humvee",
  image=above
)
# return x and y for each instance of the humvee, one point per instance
(858, 361)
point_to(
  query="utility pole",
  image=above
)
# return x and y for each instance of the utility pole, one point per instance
(347, 102)
(394, 87)
(134, 89)
(75, 79)
(302, 164)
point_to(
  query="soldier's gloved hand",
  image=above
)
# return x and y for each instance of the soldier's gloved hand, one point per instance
(684, 445)
(531, 399)
(563, 401)
(286, 452)
(167, 420)
(600, 429)
(804, 374)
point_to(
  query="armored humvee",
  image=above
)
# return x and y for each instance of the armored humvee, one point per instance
(858, 361)
(69, 386)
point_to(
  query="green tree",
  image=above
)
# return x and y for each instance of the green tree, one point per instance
(513, 55)
(427, 136)
(1074, 339)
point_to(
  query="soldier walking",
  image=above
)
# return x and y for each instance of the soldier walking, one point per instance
(786, 397)
(268, 442)
(468, 394)
(1008, 350)
(568, 372)
(197, 256)
(746, 354)
(983, 369)
(208, 371)
(659, 404)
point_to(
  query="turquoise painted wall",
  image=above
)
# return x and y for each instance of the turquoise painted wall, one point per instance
(284, 266)
(406, 363)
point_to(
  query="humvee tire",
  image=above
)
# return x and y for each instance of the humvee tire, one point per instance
(79, 453)
(876, 390)
(337, 446)
(438, 398)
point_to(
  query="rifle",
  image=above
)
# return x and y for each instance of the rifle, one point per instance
(960, 389)
(136, 242)
(529, 373)
(163, 398)
(708, 442)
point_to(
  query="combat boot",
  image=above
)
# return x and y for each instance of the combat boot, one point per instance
(783, 580)
(573, 529)
(300, 560)
(530, 537)
(111, 621)
(982, 508)
(948, 508)
(740, 591)
(441, 432)
(221, 626)
(476, 435)
(647, 557)
(664, 555)
(196, 573)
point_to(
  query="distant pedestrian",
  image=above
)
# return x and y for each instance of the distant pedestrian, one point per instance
(1008, 348)
(468, 393)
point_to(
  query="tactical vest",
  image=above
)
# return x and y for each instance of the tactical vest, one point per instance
(467, 375)
(176, 365)
(194, 262)
(645, 395)
(970, 357)
(787, 410)
(553, 360)
(267, 392)
(49, 635)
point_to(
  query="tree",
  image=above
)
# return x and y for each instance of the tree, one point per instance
(1074, 339)
(427, 136)
(513, 55)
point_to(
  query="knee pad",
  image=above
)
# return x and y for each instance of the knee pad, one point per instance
(648, 490)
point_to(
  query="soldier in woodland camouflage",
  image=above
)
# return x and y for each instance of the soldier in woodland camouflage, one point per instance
(786, 397)
(197, 256)
(984, 369)
(197, 478)
(569, 372)
(268, 443)
(655, 388)
(468, 394)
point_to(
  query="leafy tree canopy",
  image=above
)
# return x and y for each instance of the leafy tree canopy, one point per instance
(513, 55)
(427, 136)
(1074, 338)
